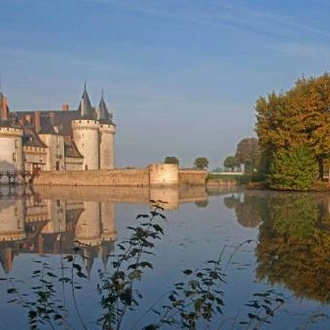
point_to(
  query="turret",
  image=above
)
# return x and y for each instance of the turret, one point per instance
(10, 140)
(85, 133)
(107, 131)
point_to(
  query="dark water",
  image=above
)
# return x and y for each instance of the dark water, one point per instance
(274, 250)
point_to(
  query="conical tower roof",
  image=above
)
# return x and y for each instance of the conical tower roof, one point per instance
(85, 107)
(103, 114)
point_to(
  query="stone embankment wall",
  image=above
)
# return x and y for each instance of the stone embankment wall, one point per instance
(155, 174)
(118, 177)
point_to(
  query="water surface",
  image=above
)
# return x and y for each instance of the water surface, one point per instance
(273, 243)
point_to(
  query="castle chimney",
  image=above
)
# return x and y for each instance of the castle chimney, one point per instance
(4, 108)
(28, 118)
(65, 107)
(37, 121)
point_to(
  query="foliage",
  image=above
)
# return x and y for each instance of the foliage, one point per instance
(117, 288)
(248, 153)
(298, 117)
(201, 163)
(194, 300)
(263, 306)
(171, 160)
(293, 169)
(230, 162)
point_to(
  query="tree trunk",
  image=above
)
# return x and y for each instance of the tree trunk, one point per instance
(320, 163)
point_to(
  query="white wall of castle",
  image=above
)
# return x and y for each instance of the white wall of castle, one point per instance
(107, 132)
(86, 137)
(11, 149)
(73, 164)
(34, 155)
(55, 152)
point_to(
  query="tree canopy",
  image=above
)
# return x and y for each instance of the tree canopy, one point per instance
(248, 153)
(201, 163)
(230, 162)
(293, 169)
(171, 160)
(299, 116)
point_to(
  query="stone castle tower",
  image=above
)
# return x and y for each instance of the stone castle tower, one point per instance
(10, 140)
(93, 134)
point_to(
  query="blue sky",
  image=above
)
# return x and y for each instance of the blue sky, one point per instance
(181, 76)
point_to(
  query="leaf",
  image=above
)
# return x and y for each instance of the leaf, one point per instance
(135, 275)
(145, 264)
(11, 290)
(187, 272)
(51, 274)
(69, 258)
(142, 216)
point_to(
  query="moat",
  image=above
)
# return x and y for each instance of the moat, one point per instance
(274, 250)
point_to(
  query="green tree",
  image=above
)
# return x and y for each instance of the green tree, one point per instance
(297, 117)
(201, 163)
(248, 153)
(293, 169)
(230, 162)
(171, 160)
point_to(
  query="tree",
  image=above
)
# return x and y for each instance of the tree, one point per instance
(293, 169)
(230, 162)
(248, 153)
(171, 160)
(297, 117)
(201, 162)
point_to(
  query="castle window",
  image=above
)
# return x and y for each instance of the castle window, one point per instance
(16, 143)
(14, 157)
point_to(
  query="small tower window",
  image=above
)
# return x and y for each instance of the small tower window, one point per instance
(14, 157)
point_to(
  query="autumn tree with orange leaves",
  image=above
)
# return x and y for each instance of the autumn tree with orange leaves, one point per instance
(299, 117)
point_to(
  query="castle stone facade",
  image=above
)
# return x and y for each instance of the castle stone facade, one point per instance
(57, 140)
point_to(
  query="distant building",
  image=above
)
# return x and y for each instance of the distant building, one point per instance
(57, 140)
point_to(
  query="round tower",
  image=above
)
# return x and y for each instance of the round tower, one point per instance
(86, 138)
(10, 140)
(86, 134)
(107, 131)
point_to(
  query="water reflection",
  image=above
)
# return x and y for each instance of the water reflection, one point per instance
(294, 239)
(50, 220)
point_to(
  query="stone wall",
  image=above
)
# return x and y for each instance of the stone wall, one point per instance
(192, 176)
(123, 177)
(117, 177)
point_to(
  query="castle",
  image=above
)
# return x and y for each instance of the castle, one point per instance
(59, 140)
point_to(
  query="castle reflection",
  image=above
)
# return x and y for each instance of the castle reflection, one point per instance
(52, 220)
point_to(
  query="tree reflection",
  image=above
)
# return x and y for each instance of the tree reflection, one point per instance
(294, 239)
(248, 209)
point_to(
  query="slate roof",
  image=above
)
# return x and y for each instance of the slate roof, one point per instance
(85, 108)
(71, 150)
(31, 138)
(102, 113)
